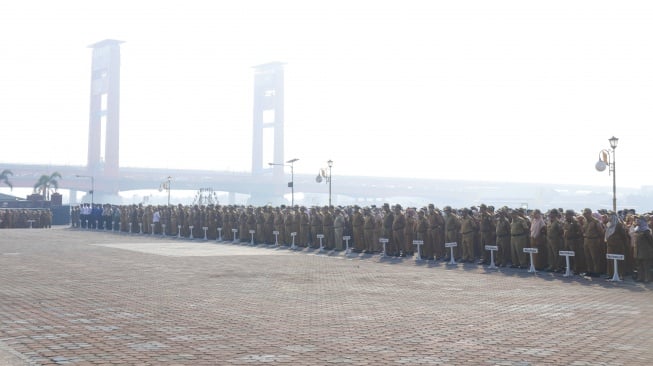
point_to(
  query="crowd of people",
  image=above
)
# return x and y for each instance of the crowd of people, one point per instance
(15, 218)
(590, 234)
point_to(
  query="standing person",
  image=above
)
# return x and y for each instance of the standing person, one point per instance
(304, 227)
(467, 229)
(519, 231)
(573, 233)
(643, 249)
(358, 221)
(398, 226)
(593, 239)
(487, 230)
(554, 242)
(316, 226)
(338, 228)
(388, 220)
(409, 232)
(616, 237)
(451, 231)
(368, 230)
(421, 233)
(156, 220)
(327, 228)
(502, 237)
(538, 240)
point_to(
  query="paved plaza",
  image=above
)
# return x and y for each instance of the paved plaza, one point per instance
(80, 297)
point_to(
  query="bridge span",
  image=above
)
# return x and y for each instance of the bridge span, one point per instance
(267, 188)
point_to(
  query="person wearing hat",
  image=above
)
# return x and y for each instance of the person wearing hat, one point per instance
(573, 234)
(643, 249)
(338, 228)
(358, 222)
(316, 226)
(502, 231)
(304, 227)
(467, 229)
(452, 231)
(593, 244)
(554, 242)
(388, 220)
(398, 226)
(436, 232)
(369, 225)
(519, 239)
(487, 232)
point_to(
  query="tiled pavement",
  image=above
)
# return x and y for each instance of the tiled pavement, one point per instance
(95, 298)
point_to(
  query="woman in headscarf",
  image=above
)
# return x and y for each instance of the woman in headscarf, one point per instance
(643, 249)
(615, 239)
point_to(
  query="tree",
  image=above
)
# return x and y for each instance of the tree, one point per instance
(46, 183)
(4, 178)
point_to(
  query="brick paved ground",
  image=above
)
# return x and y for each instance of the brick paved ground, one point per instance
(94, 298)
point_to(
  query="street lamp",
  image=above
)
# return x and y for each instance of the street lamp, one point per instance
(607, 159)
(291, 184)
(92, 185)
(166, 185)
(330, 163)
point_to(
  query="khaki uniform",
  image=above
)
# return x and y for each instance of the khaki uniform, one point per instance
(593, 245)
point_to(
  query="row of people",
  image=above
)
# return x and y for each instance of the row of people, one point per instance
(591, 235)
(15, 218)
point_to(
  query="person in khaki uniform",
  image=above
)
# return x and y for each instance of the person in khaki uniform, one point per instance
(368, 230)
(467, 230)
(452, 232)
(554, 242)
(316, 226)
(327, 228)
(398, 226)
(502, 237)
(304, 227)
(643, 249)
(616, 238)
(487, 230)
(519, 239)
(593, 241)
(358, 222)
(421, 233)
(573, 233)
(409, 232)
(338, 228)
(388, 220)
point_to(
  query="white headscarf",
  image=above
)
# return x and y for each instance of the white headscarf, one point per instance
(611, 226)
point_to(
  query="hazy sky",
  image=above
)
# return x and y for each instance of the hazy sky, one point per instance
(492, 90)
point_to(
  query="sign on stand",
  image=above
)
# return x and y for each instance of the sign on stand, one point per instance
(451, 246)
(492, 249)
(567, 254)
(615, 258)
(530, 252)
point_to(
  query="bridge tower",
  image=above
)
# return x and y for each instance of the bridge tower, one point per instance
(268, 119)
(103, 154)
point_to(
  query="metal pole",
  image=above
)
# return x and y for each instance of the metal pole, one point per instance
(329, 185)
(292, 185)
(169, 179)
(614, 183)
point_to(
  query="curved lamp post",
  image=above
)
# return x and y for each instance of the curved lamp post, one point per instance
(607, 159)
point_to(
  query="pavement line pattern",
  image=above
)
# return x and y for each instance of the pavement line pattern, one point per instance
(192, 249)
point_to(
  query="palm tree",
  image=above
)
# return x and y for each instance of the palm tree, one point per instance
(46, 183)
(4, 178)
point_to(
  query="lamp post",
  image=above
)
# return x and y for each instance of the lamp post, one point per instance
(168, 188)
(290, 163)
(92, 192)
(607, 159)
(330, 163)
